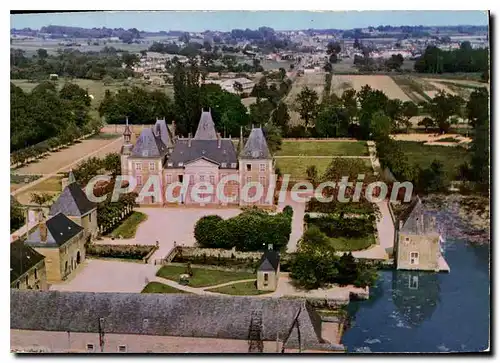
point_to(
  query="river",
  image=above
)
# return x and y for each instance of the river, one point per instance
(427, 312)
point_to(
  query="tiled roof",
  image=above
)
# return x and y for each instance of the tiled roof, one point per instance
(183, 315)
(206, 127)
(148, 145)
(183, 153)
(60, 229)
(415, 220)
(270, 261)
(256, 146)
(72, 202)
(22, 258)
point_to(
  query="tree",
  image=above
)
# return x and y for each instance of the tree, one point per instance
(282, 74)
(410, 110)
(280, 117)
(333, 48)
(333, 58)
(273, 137)
(426, 122)
(480, 160)
(477, 106)
(42, 53)
(17, 215)
(307, 101)
(328, 67)
(332, 121)
(380, 126)
(314, 264)
(433, 179)
(40, 198)
(130, 59)
(312, 174)
(442, 107)
(394, 109)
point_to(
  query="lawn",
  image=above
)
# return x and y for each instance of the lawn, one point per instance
(297, 167)
(203, 277)
(423, 155)
(240, 288)
(323, 148)
(159, 288)
(352, 244)
(129, 226)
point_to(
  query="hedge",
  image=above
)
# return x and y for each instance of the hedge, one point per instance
(132, 252)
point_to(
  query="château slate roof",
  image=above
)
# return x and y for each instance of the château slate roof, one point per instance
(256, 146)
(22, 258)
(72, 202)
(183, 315)
(148, 145)
(270, 261)
(415, 220)
(60, 229)
(161, 128)
(208, 149)
(206, 127)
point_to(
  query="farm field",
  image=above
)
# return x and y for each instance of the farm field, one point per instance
(323, 148)
(380, 82)
(50, 186)
(64, 157)
(315, 81)
(423, 155)
(297, 167)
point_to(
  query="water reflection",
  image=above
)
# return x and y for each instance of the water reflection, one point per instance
(415, 295)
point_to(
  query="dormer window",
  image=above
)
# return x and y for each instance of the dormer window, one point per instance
(233, 165)
(255, 154)
(170, 164)
(223, 165)
(181, 164)
(145, 153)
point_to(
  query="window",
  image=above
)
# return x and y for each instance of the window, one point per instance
(138, 166)
(249, 179)
(145, 153)
(145, 323)
(233, 165)
(169, 178)
(90, 348)
(18, 285)
(266, 278)
(138, 178)
(262, 167)
(170, 164)
(413, 258)
(413, 282)
(212, 179)
(223, 165)
(407, 240)
(181, 164)
(262, 180)
(249, 167)
(27, 281)
(122, 349)
(151, 166)
(202, 178)
(36, 274)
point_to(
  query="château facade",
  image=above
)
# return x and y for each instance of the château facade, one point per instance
(205, 158)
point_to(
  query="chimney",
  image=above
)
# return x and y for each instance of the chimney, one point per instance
(218, 140)
(43, 231)
(189, 140)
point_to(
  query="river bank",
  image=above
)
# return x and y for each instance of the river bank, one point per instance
(461, 216)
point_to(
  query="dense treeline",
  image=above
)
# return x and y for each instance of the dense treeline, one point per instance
(465, 59)
(58, 31)
(72, 63)
(49, 114)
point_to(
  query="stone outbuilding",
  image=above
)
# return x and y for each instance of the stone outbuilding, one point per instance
(268, 271)
(417, 242)
(27, 267)
(62, 242)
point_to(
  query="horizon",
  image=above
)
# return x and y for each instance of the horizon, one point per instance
(199, 21)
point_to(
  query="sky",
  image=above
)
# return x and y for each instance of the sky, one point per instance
(197, 21)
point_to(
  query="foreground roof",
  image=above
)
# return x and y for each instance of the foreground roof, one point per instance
(22, 258)
(256, 146)
(72, 202)
(60, 229)
(183, 315)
